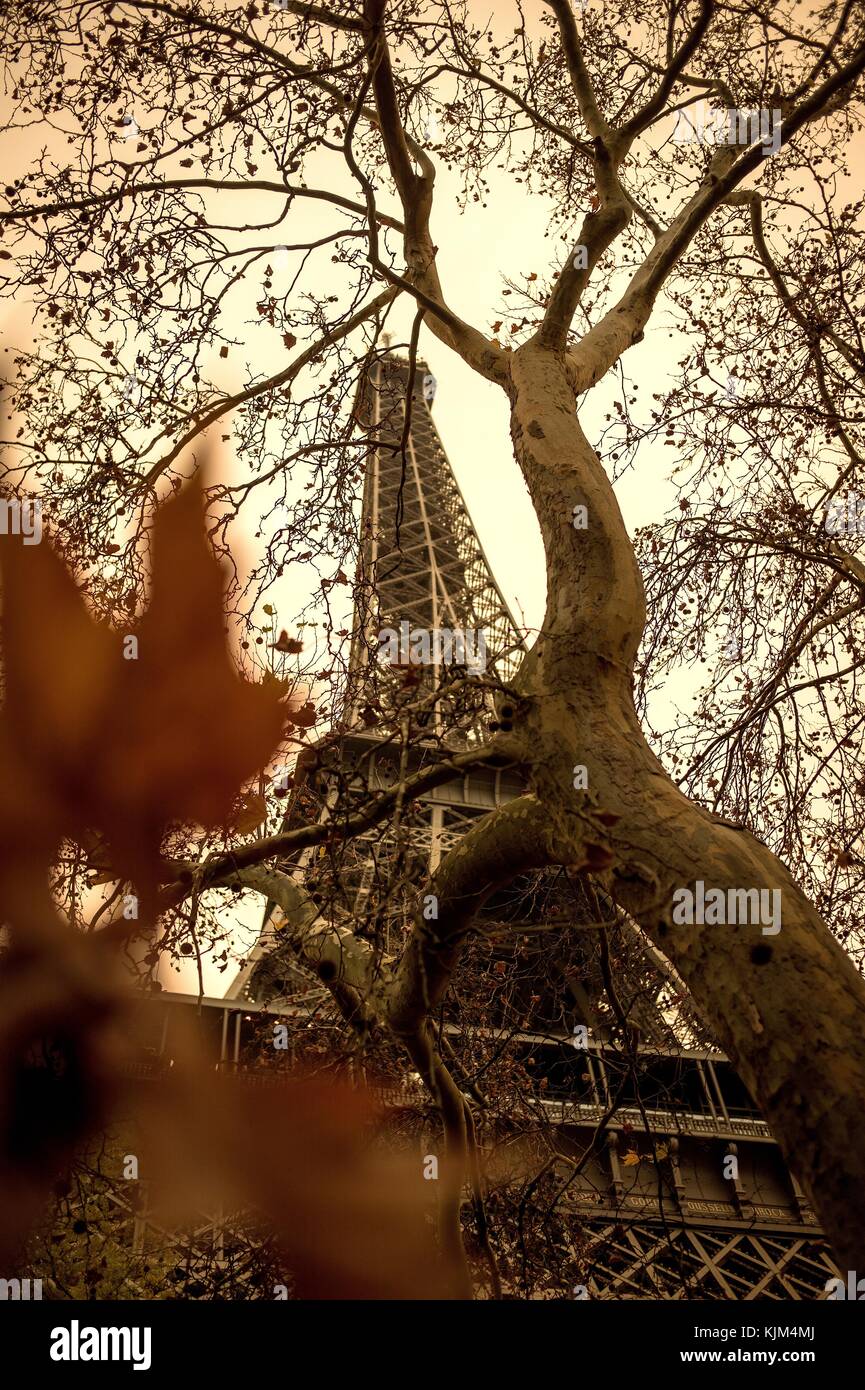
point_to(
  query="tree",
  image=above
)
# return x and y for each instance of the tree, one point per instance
(134, 233)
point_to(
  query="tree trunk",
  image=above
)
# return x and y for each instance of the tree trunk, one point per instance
(789, 1007)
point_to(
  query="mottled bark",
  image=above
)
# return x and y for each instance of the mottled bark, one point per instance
(789, 1008)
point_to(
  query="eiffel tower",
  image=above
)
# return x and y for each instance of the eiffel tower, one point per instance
(669, 1182)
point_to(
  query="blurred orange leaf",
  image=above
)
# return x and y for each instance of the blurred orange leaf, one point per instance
(124, 732)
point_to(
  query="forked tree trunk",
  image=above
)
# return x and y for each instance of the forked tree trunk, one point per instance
(789, 1008)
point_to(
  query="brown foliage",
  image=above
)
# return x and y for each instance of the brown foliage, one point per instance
(100, 737)
(96, 740)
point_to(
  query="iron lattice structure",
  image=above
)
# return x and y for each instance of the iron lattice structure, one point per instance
(421, 561)
(643, 1115)
(668, 1226)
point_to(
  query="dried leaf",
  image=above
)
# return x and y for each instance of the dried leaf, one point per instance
(250, 813)
(89, 739)
(303, 718)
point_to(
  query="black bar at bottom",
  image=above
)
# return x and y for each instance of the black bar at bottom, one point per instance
(63, 1340)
